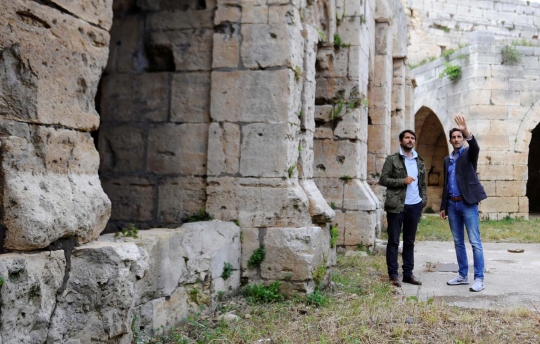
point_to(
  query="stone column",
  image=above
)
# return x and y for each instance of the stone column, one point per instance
(409, 99)
(50, 66)
(260, 156)
(398, 103)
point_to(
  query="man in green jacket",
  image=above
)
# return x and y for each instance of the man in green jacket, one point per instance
(404, 175)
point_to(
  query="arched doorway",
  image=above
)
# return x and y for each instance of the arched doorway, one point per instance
(432, 146)
(533, 183)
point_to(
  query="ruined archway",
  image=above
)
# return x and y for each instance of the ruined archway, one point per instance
(432, 147)
(533, 183)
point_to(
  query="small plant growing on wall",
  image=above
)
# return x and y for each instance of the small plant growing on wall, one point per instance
(130, 232)
(451, 71)
(257, 258)
(201, 215)
(333, 235)
(510, 55)
(227, 270)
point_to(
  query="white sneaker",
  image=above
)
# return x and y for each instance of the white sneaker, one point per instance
(459, 280)
(478, 285)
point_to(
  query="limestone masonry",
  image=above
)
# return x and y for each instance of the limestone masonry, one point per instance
(273, 117)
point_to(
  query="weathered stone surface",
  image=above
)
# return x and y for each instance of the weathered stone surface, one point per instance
(30, 284)
(226, 51)
(126, 189)
(223, 149)
(120, 148)
(99, 296)
(188, 156)
(134, 98)
(190, 97)
(51, 188)
(52, 80)
(191, 49)
(295, 251)
(98, 12)
(319, 210)
(179, 198)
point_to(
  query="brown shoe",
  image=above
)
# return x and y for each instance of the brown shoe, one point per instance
(412, 280)
(395, 282)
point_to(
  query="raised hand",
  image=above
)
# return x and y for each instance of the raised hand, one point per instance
(462, 125)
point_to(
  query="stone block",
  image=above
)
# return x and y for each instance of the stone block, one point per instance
(357, 196)
(511, 188)
(266, 46)
(227, 14)
(179, 20)
(127, 37)
(507, 71)
(340, 158)
(250, 242)
(493, 141)
(223, 149)
(523, 204)
(295, 251)
(499, 204)
(221, 198)
(328, 88)
(190, 97)
(504, 97)
(52, 80)
(349, 30)
(30, 285)
(120, 148)
(496, 84)
(132, 198)
(254, 14)
(521, 172)
(495, 172)
(265, 206)
(352, 125)
(490, 188)
(359, 228)
(100, 293)
(528, 99)
(178, 148)
(191, 49)
(95, 12)
(244, 96)
(135, 97)
(267, 150)
(331, 189)
(498, 112)
(319, 210)
(51, 188)
(226, 52)
(180, 197)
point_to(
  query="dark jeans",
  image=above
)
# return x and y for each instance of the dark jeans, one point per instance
(408, 219)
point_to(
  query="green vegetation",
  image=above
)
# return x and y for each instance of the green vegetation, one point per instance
(335, 113)
(453, 72)
(257, 257)
(319, 274)
(227, 271)
(297, 73)
(362, 307)
(332, 204)
(524, 43)
(334, 233)
(510, 230)
(338, 43)
(446, 54)
(291, 170)
(510, 55)
(422, 62)
(2, 281)
(322, 36)
(130, 232)
(346, 178)
(259, 293)
(201, 215)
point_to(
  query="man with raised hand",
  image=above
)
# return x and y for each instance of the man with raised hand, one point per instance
(404, 175)
(461, 193)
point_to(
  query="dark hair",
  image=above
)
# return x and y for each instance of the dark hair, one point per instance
(406, 131)
(452, 131)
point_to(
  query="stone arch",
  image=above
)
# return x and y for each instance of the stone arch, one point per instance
(432, 146)
(533, 169)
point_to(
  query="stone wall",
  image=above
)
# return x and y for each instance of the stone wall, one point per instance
(500, 102)
(51, 60)
(436, 25)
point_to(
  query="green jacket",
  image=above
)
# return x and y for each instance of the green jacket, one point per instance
(392, 176)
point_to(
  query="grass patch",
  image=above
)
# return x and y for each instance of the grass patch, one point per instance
(361, 308)
(432, 228)
(510, 55)
(453, 72)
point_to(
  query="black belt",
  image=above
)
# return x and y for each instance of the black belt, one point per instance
(455, 199)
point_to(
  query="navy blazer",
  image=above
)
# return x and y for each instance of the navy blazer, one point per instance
(471, 190)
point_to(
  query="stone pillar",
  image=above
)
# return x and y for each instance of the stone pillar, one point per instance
(409, 99)
(380, 102)
(155, 109)
(260, 158)
(398, 103)
(50, 66)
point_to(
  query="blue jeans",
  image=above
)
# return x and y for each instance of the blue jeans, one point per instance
(463, 214)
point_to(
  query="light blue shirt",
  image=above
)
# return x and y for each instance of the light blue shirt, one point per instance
(453, 188)
(413, 195)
